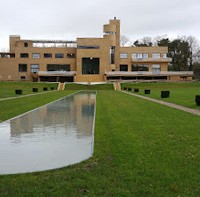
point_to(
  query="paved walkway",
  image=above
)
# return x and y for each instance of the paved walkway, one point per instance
(186, 109)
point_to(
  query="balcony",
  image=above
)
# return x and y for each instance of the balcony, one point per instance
(144, 60)
(145, 73)
(56, 73)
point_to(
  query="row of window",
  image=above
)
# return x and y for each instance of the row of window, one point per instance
(140, 67)
(50, 67)
(48, 55)
(90, 66)
(142, 55)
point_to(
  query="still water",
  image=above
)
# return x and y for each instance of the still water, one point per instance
(53, 136)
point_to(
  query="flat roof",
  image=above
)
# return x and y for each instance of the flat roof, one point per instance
(51, 41)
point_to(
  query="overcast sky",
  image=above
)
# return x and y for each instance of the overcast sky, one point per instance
(69, 19)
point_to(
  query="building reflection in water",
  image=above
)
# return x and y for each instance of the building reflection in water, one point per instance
(55, 135)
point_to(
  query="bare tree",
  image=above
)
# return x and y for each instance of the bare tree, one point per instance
(147, 41)
(124, 40)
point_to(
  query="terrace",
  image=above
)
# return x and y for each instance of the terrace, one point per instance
(56, 73)
(53, 43)
(146, 75)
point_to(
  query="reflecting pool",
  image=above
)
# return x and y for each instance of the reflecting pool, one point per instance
(53, 136)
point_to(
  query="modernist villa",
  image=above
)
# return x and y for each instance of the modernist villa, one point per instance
(85, 60)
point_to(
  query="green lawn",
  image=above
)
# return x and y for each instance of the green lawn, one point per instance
(13, 107)
(7, 89)
(180, 93)
(141, 149)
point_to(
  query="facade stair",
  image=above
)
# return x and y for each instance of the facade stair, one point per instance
(117, 86)
(61, 86)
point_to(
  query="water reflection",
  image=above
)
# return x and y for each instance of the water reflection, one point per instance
(53, 136)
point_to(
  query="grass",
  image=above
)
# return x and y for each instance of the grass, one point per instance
(73, 86)
(180, 93)
(13, 107)
(141, 149)
(7, 89)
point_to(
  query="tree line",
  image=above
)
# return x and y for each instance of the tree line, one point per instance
(184, 51)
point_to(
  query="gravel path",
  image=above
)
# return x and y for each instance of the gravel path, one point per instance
(186, 109)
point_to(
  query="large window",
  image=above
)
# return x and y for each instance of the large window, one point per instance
(59, 55)
(90, 66)
(123, 55)
(47, 55)
(35, 55)
(156, 55)
(24, 55)
(22, 67)
(34, 68)
(140, 67)
(156, 68)
(123, 67)
(58, 67)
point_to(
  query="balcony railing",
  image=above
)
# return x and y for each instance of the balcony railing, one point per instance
(56, 73)
(152, 59)
(145, 73)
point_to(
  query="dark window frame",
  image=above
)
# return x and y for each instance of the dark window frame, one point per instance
(24, 55)
(22, 67)
(123, 67)
(58, 67)
(47, 55)
(59, 55)
(140, 67)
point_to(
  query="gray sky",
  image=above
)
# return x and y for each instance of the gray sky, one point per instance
(68, 19)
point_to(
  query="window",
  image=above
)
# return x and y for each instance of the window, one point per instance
(140, 67)
(59, 55)
(25, 44)
(156, 55)
(156, 68)
(58, 67)
(123, 67)
(112, 54)
(123, 55)
(35, 55)
(109, 33)
(23, 55)
(88, 47)
(34, 68)
(47, 55)
(134, 55)
(140, 55)
(71, 55)
(145, 55)
(22, 77)
(22, 67)
(90, 66)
